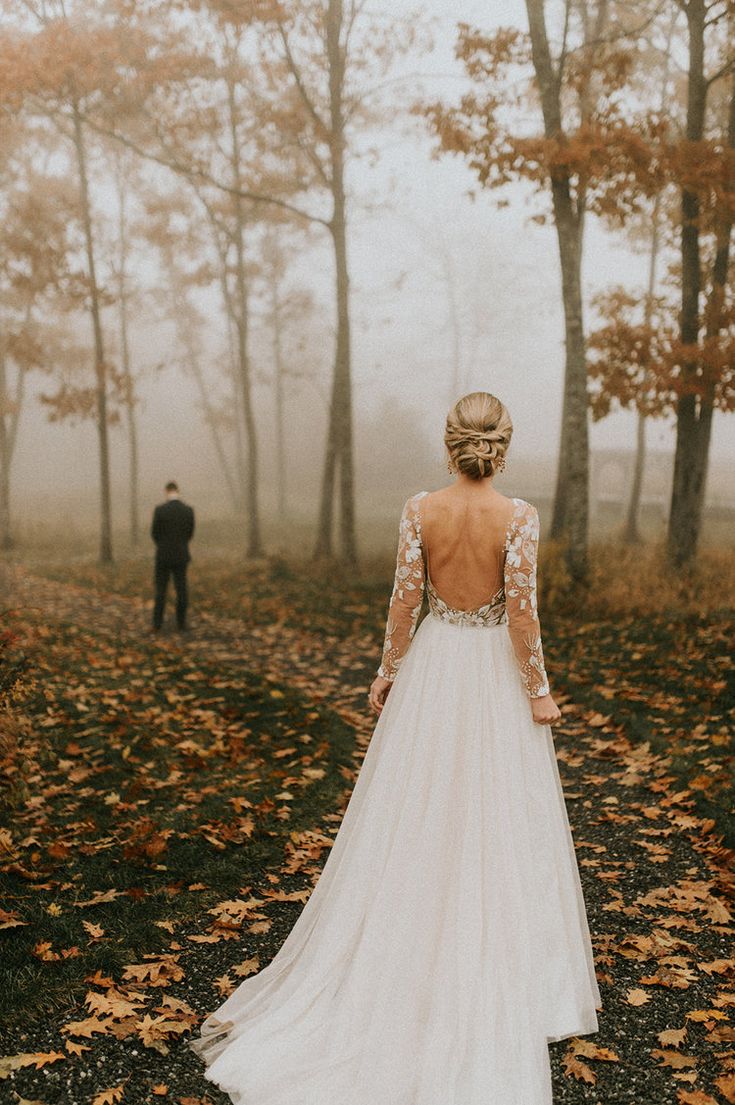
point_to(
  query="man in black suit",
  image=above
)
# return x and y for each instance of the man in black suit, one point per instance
(172, 530)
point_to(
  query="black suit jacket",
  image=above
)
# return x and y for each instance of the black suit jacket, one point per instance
(172, 530)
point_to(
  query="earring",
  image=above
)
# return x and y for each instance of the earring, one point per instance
(500, 466)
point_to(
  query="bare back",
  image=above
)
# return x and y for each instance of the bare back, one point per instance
(464, 534)
(478, 551)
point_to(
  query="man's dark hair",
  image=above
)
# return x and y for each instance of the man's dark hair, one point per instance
(172, 486)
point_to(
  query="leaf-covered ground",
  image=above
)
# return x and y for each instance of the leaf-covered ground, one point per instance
(175, 799)
(669, 676)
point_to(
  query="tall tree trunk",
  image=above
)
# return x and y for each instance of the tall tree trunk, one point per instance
(279, 389)
(340, 450)
(324, 546)
(127, 372)
(236, 407)
(100, 366)
(6, 531)
(234, 371)
(693, 411)
(255, 541)
(192, 360)
(632, 531)
(343, 390)
(10, 408)
(712, 327)
(185, 317)
(132, 428)
(570, 520)
(6, 457)
(631, 534)
(193, 363)
(571, 505)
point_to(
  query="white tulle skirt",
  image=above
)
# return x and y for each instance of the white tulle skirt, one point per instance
(446, 941)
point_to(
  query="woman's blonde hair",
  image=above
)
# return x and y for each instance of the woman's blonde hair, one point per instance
(477, 434)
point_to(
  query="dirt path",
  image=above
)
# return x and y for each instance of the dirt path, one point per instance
(657, 884)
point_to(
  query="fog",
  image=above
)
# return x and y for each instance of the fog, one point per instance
(420, 232)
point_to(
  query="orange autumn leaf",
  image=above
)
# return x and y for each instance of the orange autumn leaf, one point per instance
(726, 1085)
(701, 1016)
(109, 1097)
(672, 1037)
(247, 967)
(9, 1063)
(590, 1050)
(75, 1048)
(574, 1068)
(637, 996)
(717, 966)
(673, 1059)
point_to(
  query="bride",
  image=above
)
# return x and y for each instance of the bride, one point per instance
(446, 942)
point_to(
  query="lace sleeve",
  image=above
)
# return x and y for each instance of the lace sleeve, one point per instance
(408, 590)
(520, 598)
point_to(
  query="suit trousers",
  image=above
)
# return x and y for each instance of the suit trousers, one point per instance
(163, 571)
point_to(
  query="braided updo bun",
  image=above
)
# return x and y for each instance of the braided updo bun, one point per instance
(477, 434)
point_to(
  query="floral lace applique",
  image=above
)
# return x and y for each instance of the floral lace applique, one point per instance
(408, 589)
(491, 613)
(520, 597)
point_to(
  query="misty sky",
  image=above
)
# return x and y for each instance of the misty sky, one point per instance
(506, 278)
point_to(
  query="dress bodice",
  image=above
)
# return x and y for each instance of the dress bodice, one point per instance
(514, 601)
(491, 613)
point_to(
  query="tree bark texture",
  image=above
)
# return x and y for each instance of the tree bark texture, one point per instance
(100, 366)
(570, 522)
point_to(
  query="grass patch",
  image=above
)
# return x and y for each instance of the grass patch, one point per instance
(331, 600)
(667, 679)
(156, 784)
(648, 647)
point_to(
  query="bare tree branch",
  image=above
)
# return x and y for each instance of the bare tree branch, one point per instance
(296, 74)
(722, 72)
(182, 169)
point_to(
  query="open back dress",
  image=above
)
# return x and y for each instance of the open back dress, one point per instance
(446, 941)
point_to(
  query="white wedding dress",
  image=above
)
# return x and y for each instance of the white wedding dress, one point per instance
(446, 941)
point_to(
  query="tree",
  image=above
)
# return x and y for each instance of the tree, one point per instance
(172, 228)
(630, 348)
(328, 115)
(300, 82)
(57, 70)
(580, 153)
(125, 295)
(324, 52)
(703, 164)
(680, 359)
(697, 160)
(33, 278)
(630, 365)
(202, 113)
(285, 308)
(327, 47)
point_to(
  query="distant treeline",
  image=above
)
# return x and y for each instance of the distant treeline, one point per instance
(155, 153)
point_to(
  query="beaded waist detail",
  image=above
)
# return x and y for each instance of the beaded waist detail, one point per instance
(492, 613)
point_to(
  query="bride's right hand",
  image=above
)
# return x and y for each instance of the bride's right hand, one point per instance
(378, 693)
(545, 710)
